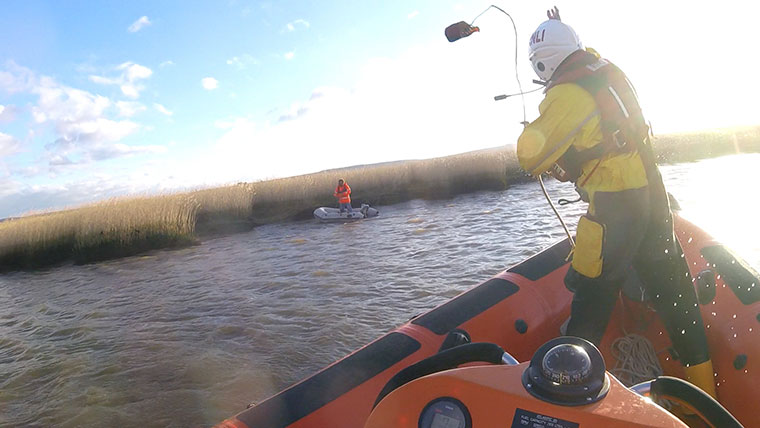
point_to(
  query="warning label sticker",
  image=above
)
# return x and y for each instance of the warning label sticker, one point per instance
(527, 419)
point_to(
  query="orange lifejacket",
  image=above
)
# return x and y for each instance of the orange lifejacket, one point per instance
(622, 124)
(343, 193)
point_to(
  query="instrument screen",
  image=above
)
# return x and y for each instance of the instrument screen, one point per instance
(445, 412)
(443, 421)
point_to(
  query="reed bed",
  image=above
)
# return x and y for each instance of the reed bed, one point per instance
(224, 209)
(122, 227)
(692, 146)
(109, 229)
(384, 184)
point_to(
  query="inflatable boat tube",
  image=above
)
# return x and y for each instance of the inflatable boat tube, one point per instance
(520, 310)
(334, 214)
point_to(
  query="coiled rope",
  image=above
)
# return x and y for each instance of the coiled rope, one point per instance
(636, 359)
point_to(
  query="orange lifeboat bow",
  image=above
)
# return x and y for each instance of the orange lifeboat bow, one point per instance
(521, 310)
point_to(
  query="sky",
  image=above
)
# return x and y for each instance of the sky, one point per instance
(106, 99)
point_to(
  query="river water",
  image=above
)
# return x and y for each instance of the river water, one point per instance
(189, 337)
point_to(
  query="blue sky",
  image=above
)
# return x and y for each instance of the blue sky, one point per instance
(104, 99)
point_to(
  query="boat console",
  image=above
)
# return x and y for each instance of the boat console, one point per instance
(565, 385)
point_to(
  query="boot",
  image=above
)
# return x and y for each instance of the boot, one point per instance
(702, 375)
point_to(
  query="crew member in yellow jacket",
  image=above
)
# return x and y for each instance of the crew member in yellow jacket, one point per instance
(591, 132)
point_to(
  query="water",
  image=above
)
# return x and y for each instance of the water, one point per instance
(189, 337)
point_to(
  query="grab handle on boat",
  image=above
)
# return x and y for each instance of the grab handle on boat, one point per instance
(508, 359)
(445, 360)
(643, 388)
(686, 394)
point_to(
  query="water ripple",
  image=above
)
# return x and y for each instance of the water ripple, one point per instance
(189, 337)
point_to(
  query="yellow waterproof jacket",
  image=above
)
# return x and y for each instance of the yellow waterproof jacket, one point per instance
(569, 117)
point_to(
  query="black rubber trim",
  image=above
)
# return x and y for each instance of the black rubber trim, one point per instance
(455, 312)
(705, 287)
(740, 361)
(708, 407)
(304, 398)
(521, 326)
(543, 263)
(445, 360)
(743, 280)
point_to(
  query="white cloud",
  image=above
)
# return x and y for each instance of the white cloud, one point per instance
(17, 198)
(8, 145)
(166, 63)
(65, 105)
(8, 113)
(80, 122)
(129, 108)
(30, 171)
(132, 74)
(89, 141)
(289, 55)
(16, 78)
(242, 61)
(99, 130)
(162, 109)
(108, 151)
(209, 83)
(298, 23)
(134, 71)
(104, 80)
(138, 25)
(129, 79)
(413, 14)
(130, 91)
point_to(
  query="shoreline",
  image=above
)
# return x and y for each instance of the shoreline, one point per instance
(132, 226)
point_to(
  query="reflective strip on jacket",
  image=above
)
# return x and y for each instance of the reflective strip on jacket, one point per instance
(343, 193)
(569, 117)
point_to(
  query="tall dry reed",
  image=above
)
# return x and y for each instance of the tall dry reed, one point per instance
(128, 226)
(224, 209)
(384, 184)
(108, 229)
(692, 146)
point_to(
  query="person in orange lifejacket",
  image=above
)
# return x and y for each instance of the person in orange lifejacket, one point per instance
(591, 132)
(343, 193)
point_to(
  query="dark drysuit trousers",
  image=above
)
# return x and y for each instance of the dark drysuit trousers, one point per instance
(639, 235)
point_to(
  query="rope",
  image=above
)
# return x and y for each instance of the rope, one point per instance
(636, 359)
(564, 226)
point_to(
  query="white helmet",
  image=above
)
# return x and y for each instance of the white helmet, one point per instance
(550, 44)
